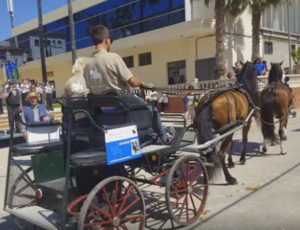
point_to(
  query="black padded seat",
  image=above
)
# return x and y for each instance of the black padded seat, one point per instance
(88, 158)
(36, 148)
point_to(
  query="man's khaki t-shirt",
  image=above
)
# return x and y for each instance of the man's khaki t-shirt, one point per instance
(106, 72)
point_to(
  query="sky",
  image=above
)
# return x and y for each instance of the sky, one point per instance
(24, 11)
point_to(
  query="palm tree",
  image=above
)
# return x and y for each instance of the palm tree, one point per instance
(41, 35)
(222, 7)
(258, 7)
(72, 31)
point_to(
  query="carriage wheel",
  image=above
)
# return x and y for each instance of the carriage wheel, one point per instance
(114, 203)
(186, 189)
(22, 192)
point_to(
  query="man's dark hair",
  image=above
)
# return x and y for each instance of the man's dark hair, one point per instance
(98, 34)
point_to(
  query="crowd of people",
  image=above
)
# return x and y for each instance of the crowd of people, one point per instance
(27, 96)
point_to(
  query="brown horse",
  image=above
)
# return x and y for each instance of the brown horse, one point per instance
(276, 101)
(219, 112)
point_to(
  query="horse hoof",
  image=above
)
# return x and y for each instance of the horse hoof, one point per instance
(242, 161)
(230, 165)
(264, 149)
(231, 181)
(283, 153)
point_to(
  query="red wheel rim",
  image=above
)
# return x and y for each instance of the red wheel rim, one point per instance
(187, 190)
(117, 205)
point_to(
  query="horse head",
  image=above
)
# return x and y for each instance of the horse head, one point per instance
(248, 79)
(275, 74)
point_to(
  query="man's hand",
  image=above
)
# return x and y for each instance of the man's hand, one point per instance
(46, 118)
(25, 135)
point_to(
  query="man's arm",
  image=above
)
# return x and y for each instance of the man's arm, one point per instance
(135, 82)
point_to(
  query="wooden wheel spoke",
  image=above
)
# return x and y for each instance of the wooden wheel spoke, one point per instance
(104, 222)
(127, 194)
(102, 212)
(184, 176)
(123, 227)
(178, 182)
(130, 206)
(178, 191)
(125, 219)
(193, 203)
(197, 177)
(182, 207)
(197, 196)
(116, 198)
(108, 201)
(198, 187)
(177, 201)
(187, 207)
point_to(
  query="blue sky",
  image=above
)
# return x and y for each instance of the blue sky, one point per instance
(25, 10)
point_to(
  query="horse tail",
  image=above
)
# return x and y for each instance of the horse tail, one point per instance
(267, 114)
(204, 128)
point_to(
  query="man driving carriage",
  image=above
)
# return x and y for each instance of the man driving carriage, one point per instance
(107, 74)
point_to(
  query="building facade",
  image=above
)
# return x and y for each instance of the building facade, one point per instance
(162, 41)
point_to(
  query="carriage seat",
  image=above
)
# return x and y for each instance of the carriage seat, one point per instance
(90, 157)
(36, 148)
(111, 111)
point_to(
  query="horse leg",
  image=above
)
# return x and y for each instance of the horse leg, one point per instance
(224, 149)
(246, 129)
(264, 147)
(282, 133)
(229, 159)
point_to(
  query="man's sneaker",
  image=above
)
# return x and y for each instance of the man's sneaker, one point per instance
(170, 135)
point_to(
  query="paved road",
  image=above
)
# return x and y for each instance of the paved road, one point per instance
(267, 196)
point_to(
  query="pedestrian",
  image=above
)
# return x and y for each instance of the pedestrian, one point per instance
(24, 87)
(164, 101)
(1, 97)
(14, 104)
(33, 112)
(49, 96)
(153, 97)
(237, 68)
(106, 73)
(261, 67)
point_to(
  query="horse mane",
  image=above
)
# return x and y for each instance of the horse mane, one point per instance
(248, 79)
(275, 74)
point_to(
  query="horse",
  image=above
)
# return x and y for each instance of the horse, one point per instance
(219, 112)
(276, 101)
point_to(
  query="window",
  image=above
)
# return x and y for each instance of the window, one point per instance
(59, 44)
(128, 61)
(36, 42)
(268, 47)
(293, 47)
(176, 72)
(145, 59)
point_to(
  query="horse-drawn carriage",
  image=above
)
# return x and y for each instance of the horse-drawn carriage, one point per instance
(90, 177)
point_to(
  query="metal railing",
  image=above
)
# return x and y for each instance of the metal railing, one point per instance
(204, 86)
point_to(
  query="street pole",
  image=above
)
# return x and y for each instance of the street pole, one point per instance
(72, 31)
(41, 35)
(289, 37)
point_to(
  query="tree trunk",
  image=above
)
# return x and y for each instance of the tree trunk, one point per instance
(72, 31)
(256, 17)
(220, 11)
(41, 35)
